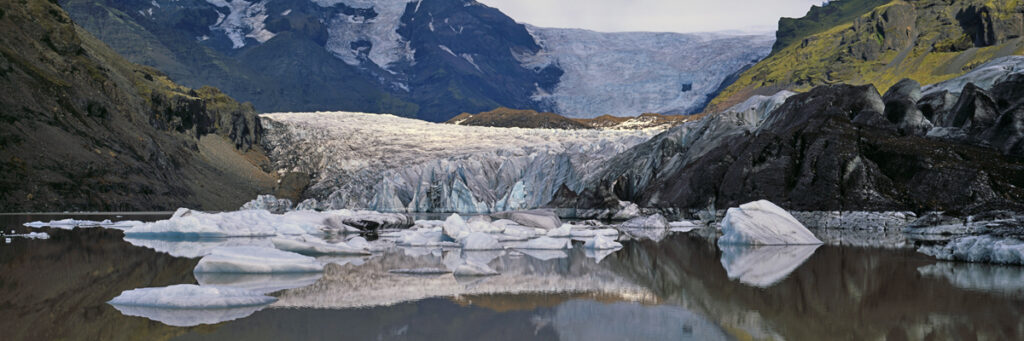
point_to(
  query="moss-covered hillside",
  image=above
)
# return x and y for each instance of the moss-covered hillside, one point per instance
(925, 40)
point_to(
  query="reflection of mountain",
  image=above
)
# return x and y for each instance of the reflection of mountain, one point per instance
(58, 288)
(858, 293)
(1002, 279)
(590, 320)
(763, 266)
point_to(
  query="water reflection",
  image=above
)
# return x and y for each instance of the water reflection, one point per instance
(993, 278)
(763, 266)
(188, 317)
(260, 283)
(591, 320)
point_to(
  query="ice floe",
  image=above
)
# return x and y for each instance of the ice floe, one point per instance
(67, 224)
(480, 241)
(186, 223)
(763, 223)
(190, 296)
(544, 219)
(249, 259)
(309, 245)
(979, 249)
(763, 266)
(196, 247)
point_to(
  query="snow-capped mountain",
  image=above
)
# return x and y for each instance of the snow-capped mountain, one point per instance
(430, 59)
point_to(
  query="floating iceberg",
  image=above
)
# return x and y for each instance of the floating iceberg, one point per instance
(979, 249)
(259, 283)
(196, 248)
(480, 241)
(545, 243)
(544, 219)
(682, 226)
(249, 259)
(600, 242)
(67, 224)
(251, 223)
(309, 245)
(455, 227)
(30, 235)
(590, 233)
(763, 266)
(649, 222)
(190, 296)
(562, 232)
(762, 223)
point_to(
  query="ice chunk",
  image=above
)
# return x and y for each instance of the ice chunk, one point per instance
(259, 283)
(268, 202)
(30, 235)
(480, 241)
(682, 226)
(598, 255)
(762, 223)
(67, 224)
(763, 266)
(474, 269)
(249, 259)
(600, 242)
(190, 296)
(979, 249)
(251, 223)
(627, 210)
(455, 228)
(309, 245)
(564, 231)
(545, 243)
(423, 238)
(649, 222)
(590, 233)
(545, 219)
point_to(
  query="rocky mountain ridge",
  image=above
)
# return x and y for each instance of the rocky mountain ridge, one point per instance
(508, 118)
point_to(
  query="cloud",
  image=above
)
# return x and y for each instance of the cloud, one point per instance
(654, 15)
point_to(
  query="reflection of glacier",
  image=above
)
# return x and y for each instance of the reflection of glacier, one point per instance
(387, 163)
(763, 266)
(1002, 279)
(370, 284)
(591, 320)
(260, 283)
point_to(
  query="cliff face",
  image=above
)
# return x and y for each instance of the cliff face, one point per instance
(83, 129)
(925, 40)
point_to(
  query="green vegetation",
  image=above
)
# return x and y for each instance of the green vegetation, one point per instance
(820, 19)
(929, 41)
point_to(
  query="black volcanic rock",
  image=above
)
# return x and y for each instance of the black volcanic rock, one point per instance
(828, 149)
(901, 108)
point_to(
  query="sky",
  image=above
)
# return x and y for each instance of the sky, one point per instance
(654, 15)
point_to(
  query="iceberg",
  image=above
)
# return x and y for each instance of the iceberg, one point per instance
(67, 224)
(682, 226)
(979, 249)
(763, 223)
(564, 231)
(249, 259)
(194, 224)
(309, 245)
(590, 233)
(600, 242)
(480, 241)
(455, 227)
(763, 266)
(544, 219)
(190, 296)
(258, 283)
(545, 243)
(30, 235)
(196, 248)
(656, 221)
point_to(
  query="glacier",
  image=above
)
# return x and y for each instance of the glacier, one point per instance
(392, 164)
(630, 73)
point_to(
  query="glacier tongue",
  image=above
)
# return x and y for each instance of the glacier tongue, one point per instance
(387, 163)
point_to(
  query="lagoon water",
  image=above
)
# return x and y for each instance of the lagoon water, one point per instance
(681, 287)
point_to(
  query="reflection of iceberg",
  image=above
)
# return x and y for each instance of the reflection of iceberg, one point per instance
(188, 317)
(544, 254)
(195, 248)
(763, 266)
(979, 277)
(261, 283)
(590, 320)
(599, 255)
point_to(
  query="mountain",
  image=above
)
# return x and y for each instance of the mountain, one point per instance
(956, 146)
(881, 42)
(505, 117)
(429, 59)
(84, 129)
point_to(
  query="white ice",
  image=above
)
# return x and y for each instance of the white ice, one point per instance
(979, 249)
(763, 266)
(189, 296)
(248, 259)
(600, 242)
(259, 283)
(309, 245)
(656, 221)
(480, 241)
(763, 223)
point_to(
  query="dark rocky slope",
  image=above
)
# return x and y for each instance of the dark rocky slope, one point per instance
(83, 129)
(836, 147)
(507, 118)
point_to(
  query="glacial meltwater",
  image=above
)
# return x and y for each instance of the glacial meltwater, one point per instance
(679, 285)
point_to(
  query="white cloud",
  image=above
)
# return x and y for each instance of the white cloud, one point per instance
(654, 15)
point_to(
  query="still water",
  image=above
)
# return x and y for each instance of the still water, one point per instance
(681, 287)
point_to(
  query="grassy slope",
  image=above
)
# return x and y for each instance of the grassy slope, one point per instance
(940, 49)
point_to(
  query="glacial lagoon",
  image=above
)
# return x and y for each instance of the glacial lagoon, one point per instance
(662, 287)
